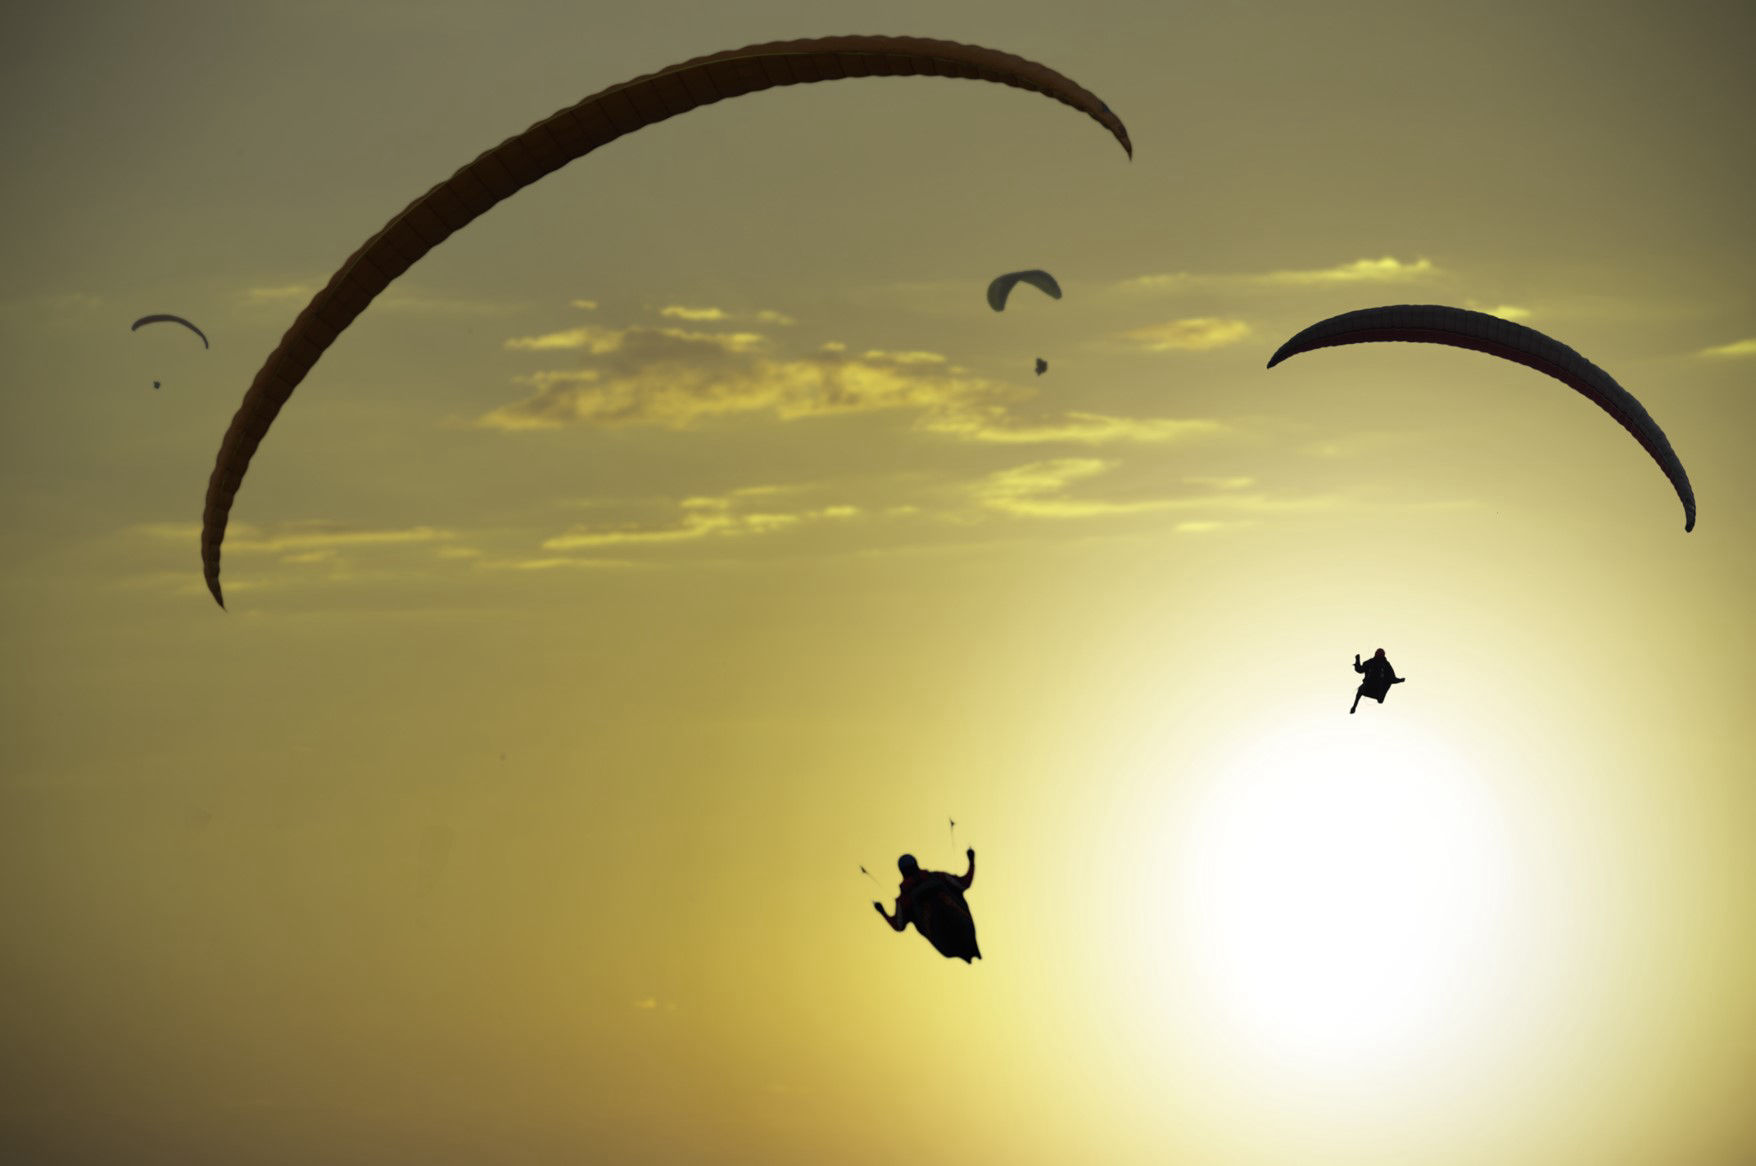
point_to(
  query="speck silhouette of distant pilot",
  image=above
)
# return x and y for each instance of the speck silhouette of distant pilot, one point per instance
(933, 901)
(1379, 677)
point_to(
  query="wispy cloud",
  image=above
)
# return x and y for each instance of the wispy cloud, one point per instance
(1037, 490)
(720, 516)
(995, 425)
(600, 341)
(1355, 444)
(1385, 270)
(1504, 311)
(584, 305)
(296, 538)
(280, 293)
(672, 378)
(1191, 335)
(590, 337)
(714, 315)
(1737, 348)
(1048, 489)
(553, 563)
(904, 357)
(669, 377)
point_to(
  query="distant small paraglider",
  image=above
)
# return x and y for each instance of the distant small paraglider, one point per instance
(1042, 366)
(1003, 285)
(168, 319)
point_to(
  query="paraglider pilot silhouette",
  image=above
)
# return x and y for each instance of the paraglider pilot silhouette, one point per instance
(933, 901)
(1379, 677)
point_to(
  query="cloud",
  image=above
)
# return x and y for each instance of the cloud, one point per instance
(600, 341)
(584, 305)
(1507, 312)
(1236, 483)
(186, 582)
(764, 316)
(553, 563)
(904, 357)
(1356, 444)
(1191, 335)
(1041, 490)
(703, 517)
(995, 425)
(672, 378)
(590, 337)
(676, 312)
(1737, 348)
(1385, 270)
(647, 1005)
(306, 541)
(283, 292)
(1036, 491)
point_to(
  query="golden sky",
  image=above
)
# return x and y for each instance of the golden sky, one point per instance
(687, 532)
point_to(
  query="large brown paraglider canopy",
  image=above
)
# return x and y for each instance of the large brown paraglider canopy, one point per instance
(552, 143)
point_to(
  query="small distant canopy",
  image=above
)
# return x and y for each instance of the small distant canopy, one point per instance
(167, 319)
(1003, 285)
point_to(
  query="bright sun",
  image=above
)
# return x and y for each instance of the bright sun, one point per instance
(1344, 883)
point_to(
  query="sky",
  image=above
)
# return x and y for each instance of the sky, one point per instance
(687, 533)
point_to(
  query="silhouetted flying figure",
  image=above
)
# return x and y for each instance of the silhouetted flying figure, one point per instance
(1042, 366)
(933, 901)
(1379, 677)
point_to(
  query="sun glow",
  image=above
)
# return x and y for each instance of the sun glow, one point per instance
(1344, 887)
